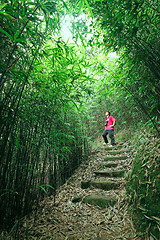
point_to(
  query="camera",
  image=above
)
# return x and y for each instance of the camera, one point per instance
(106, 123)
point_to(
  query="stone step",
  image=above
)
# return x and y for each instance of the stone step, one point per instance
(100, 200)
(117, 152)
(77, 199)
(109, 164)
(110, 173)
(113, 148)
(104, 185)
(114, 158)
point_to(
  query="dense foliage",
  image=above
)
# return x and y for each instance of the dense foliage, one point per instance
(42, 86)
(54, 95)
(131, 28)
(143, 185)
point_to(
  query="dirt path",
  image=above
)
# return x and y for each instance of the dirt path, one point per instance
(72, 219)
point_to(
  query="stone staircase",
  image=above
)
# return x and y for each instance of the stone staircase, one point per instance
(109, 177)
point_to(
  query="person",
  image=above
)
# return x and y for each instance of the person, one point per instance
(109, 129)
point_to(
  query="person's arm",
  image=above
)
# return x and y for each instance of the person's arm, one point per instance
(113, 124)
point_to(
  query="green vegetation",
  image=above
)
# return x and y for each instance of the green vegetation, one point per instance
(53, 96)
(42, 85)
(143, 185)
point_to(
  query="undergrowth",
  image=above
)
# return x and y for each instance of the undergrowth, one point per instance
(143, 183)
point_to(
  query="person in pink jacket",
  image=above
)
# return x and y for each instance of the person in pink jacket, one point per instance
(109, 129)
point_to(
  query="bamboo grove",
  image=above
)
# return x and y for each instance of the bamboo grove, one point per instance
(132, 29)
(41, 129)
(49, 89)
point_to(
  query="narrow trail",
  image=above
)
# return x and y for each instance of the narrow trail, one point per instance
(91, 205)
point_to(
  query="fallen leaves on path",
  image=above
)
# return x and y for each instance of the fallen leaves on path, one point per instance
(66, 220)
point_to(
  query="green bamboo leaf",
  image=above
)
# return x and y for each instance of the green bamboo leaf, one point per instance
(43, 7)
(7, 34)
(20, 40)
(82, 39)
(49, 186)
(3, 5)
(6, 14)
(8, 191)
(16, 34)
(89, 8)
(4, 194)
(43, 188)
(31, 3)
(65, 5)
(2, 12)
(15, 76)
(79, 5)
(45, 185)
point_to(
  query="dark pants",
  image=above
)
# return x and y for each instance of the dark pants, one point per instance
(111, 135)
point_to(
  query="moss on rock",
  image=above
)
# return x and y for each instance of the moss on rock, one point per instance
(113, 158)
(110, 173)
(100, 200)
(117, 152)
(76, 199)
